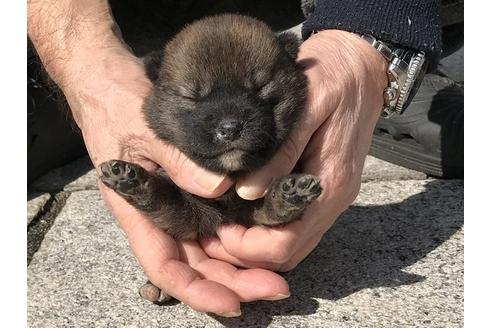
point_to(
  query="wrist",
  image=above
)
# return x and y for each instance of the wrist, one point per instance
(365, 58)
(351, 64)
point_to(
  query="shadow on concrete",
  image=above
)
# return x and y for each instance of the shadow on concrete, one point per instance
(368, 247)
(57, 179)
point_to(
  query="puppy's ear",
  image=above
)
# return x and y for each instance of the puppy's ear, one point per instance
(153, 62)
(290, 42)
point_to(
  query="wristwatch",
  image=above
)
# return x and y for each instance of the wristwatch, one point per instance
(405, 73)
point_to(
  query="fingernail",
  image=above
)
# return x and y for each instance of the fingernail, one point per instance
(251, 192)
(208, 180)
(277, 297)
(230, 314)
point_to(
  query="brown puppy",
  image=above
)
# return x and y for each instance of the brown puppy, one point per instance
(227, 93)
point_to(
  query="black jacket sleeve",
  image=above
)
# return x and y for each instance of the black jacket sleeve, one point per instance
(407, 23)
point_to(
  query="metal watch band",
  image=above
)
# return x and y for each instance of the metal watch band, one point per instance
(386, 51)
(404, 75)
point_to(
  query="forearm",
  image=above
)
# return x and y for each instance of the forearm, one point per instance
(67, 31)
(80, 46)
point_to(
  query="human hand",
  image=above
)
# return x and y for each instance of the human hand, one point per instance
(346, 81)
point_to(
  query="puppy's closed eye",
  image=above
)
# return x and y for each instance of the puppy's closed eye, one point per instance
(262, 78)
(194, 92)
(268, 91)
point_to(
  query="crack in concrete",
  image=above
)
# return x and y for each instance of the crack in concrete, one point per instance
(42, 222)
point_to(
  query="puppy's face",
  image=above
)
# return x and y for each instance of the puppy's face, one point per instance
(228, 93)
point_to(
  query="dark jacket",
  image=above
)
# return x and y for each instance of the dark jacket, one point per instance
(407, 23)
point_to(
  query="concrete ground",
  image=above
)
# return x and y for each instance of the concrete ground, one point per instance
(393, 259)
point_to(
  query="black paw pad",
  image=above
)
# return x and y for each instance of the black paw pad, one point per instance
(122, 176)
(300, 189)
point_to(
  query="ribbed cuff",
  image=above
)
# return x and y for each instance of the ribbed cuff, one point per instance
(406, 23)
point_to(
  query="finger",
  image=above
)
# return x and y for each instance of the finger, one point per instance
(213, 248)
(187, 285)
(260, 243)
(158, 255)
(186, 173)
(304, 245)
(249, 285)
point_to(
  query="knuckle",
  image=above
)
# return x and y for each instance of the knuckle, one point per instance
(132, 147)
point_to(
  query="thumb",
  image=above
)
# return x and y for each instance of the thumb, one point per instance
(187, 174)
(255, 185)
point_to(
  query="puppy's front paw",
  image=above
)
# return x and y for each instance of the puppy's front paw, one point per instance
(122, 176)
(299, 189)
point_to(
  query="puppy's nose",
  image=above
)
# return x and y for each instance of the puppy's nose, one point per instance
(229, 130)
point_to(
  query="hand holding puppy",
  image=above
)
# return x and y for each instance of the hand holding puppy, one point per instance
(346, 81)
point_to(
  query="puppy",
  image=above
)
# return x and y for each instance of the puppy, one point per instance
(227, 93)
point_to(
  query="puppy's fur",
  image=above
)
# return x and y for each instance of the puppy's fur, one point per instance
(227, 93)
(227, 67)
